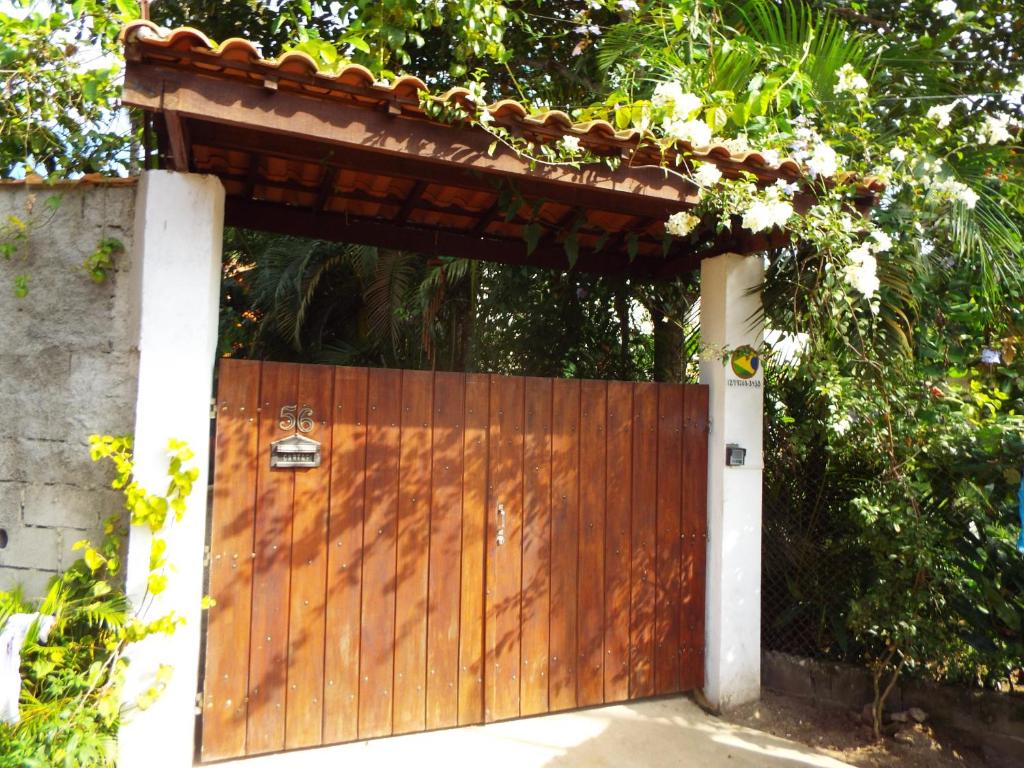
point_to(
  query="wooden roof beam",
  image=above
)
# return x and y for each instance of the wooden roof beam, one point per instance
(412, 201)
(426, 148)
(177, 136)
(252, 214)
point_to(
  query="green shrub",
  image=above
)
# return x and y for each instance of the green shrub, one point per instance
(71, 697)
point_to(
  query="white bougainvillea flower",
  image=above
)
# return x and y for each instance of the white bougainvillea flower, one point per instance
(861, 273)
(670, 96)
(940, 114)
(951, 190)
(768, 213)
(486, 117)
(629, 5)
(823, 161)
(995, 129)
(666, 94)
(897, 155)
(880, 241)
(697, 132)
(968, 196)
(571, 144)
(851, 82)
(787, 188)
(945, 7)
(842, 426)
(707, 175)
(771, 156)
(681, 224)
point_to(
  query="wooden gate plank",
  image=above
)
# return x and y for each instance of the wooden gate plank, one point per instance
(590, 592)
(413, 552)
(445, 552)
(536, 594)
(617, 557)
(474, 527)
(377, 638)
(504, 564)
(231, 541)
(268, 661)
(564, 541)
(670, 458)
(694, 491)
(345, 556)
(304, 710)
(645, 488)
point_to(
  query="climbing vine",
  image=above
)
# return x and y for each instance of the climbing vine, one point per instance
(73, 684)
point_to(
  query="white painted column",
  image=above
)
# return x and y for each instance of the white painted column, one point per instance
(179, 221)
(732, 673)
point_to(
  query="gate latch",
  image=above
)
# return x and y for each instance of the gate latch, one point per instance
(500, 538)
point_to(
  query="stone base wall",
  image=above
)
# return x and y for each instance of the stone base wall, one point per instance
(68, 369)
(994, 722)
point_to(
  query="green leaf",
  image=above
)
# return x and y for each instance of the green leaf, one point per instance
(157, 583)
(93, 559)
(531, 234)
(572, 248)
(623, 118)
(632, 245)
(358, 43)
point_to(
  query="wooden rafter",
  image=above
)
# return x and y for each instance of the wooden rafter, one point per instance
(260, 215)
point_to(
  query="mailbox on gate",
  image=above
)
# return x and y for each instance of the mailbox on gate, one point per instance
(295, 452)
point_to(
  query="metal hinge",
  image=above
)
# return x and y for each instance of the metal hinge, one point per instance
(206, 556)
(199, 703)
(213, 407)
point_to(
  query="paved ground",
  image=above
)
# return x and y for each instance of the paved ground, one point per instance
(653, 734)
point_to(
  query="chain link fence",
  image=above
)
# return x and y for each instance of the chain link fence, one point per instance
(812, 566)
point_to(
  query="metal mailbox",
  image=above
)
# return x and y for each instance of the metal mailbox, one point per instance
(295, 452)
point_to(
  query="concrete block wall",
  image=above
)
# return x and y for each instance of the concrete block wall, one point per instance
(68, 369)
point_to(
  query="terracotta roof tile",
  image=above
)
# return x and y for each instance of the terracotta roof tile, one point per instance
(189, 48)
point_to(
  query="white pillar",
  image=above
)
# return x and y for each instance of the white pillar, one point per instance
(179, 221)
(728, 321)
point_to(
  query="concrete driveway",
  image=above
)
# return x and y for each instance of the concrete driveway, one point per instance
(663, 733)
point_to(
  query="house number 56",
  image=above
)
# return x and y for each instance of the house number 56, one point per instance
(303, 421)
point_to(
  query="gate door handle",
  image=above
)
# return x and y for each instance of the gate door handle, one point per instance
(500, 538)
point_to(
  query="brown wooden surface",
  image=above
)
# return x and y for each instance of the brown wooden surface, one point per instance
(307, 609)
(565, 413)
(666, 630)
(377, 642)
(694, 536)
(504, 562)
(413, 552)
(590, 589)
(645, 488)
(268, 652)
(536, 592)
(618, 503)
(474, 532)
(345, 556)
(231, 542)
(445, 552)
(370, 596)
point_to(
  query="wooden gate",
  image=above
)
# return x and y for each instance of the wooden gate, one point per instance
(471, 548)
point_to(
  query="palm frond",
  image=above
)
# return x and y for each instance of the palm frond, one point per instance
(386, 292)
